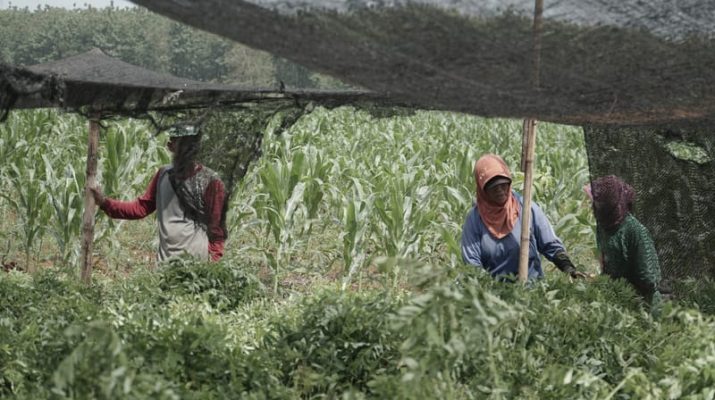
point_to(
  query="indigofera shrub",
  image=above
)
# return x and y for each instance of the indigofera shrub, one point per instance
(224, 285)
(553, 339)
(336, 341)
(470, 338)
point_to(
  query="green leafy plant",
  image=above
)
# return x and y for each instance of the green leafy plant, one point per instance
(223, 285)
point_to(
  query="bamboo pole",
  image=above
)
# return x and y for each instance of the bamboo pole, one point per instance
(528, 162)
(524, 145)
(528, 145)
(89, 205)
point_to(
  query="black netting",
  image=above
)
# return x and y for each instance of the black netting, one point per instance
(232, 136)
(95, 80)
(601, 61)
(232, 139)
(233, 118)
(672, 170)
(20, 85)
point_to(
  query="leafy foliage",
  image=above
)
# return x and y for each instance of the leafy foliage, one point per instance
(471, 338)
(223, 285)
(338, 341)
(381, 199)
(43, 178)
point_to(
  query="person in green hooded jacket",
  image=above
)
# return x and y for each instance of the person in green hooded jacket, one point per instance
(627, 249)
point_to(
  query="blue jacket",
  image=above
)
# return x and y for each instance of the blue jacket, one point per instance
(501, 256)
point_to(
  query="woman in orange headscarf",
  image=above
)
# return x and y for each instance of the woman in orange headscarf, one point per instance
(492, 230)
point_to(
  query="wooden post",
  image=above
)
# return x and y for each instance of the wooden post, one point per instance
(524, 144)
(528, 144)
(89, 205)
(528, 162)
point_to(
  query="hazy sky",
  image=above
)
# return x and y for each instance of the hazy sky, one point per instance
(32, 4)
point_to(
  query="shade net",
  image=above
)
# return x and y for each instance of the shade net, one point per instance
(592, 61)
(112, 86)
(638, 74)
(672, 171)
(231, 139)
(234, 118)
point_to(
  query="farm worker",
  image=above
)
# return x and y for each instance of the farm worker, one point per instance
(189, 199)
(626, 247)
(492, 230)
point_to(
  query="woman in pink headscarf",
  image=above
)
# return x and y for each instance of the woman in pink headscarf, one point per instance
(626, 247)
(492, 230)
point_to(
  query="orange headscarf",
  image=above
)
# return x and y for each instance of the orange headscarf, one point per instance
(499, 219)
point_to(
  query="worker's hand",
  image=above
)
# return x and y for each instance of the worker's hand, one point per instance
(578, 274)
(97, 194)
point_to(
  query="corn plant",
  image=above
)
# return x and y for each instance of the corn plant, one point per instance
(415, 172)
(43, 173)
(30, 202)
(283, 191)
(27, 137)
(130, 157)
(292, 189)
(66, 195)
(317, 171)
(562, 171)
(63, 186)
(357, 209)
(439, 150)
(404, 215)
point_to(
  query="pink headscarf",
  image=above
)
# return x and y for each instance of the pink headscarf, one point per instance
(612, 200)
(498, 218)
